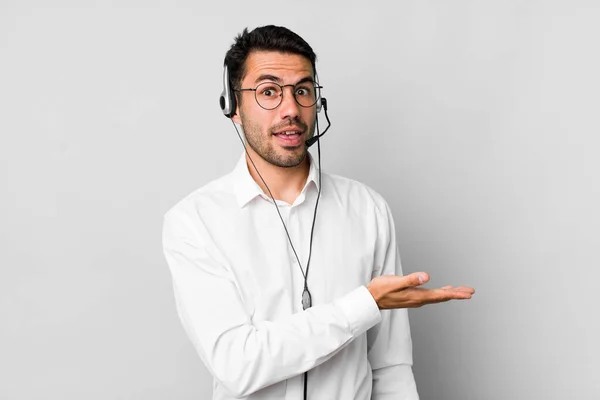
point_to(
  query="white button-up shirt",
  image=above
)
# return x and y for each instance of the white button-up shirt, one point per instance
(238, 290)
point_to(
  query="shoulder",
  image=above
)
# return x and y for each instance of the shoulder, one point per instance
(211, 197)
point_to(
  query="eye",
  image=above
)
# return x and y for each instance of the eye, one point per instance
(269, 91)
(304, 91)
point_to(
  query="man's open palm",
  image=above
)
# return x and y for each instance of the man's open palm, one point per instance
(391, 291)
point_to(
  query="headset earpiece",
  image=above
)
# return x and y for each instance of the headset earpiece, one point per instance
(227, 99)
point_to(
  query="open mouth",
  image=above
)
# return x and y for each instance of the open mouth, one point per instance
(289, 138)
(288, 134)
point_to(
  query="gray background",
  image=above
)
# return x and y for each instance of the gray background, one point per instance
(477, 120)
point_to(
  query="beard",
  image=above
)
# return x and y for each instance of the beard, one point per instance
(262, 142)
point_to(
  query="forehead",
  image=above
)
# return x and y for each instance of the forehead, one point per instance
(281, 65)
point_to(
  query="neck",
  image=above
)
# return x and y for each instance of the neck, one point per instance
(285, 183)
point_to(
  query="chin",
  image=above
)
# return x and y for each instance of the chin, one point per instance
(290, 161)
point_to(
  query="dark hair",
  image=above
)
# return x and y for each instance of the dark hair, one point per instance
(269, 38)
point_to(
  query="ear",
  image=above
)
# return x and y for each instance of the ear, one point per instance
(236, 117)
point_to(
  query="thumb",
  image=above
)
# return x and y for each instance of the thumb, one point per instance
(415, 279)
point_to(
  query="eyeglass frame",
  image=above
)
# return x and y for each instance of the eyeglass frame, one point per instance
(316, 85)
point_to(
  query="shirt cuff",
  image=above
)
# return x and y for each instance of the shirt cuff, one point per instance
(360, 310)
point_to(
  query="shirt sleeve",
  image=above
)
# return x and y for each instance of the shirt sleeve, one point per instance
(243, 356)
(389, 342)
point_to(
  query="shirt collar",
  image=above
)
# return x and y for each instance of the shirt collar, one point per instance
(246, 189)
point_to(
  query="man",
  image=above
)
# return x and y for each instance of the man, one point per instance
(240, 249)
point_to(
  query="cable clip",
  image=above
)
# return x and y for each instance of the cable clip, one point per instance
(306, 299)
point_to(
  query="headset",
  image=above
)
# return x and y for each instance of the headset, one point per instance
(228, 104)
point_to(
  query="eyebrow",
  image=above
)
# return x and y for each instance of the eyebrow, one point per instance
(306, 79)
(267, 77)
(273, 78)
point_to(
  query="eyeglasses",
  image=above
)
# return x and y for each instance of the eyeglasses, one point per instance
(269, 95)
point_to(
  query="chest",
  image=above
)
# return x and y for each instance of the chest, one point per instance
(269, 271)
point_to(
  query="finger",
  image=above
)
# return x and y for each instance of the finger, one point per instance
(400, 282)
(465, 289)
(454, 294)
(414, 279)
(442, 295)
(460, 288)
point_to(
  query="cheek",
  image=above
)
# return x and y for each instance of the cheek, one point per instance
(255, 124)
(309, 116)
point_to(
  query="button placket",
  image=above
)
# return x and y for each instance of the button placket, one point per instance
(297, 270)
(284, 210)
(296, 239)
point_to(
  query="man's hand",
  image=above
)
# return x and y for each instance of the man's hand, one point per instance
(391, 291)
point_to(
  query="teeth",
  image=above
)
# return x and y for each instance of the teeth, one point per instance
(288, 133)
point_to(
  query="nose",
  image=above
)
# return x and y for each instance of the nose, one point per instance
(288, 108)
